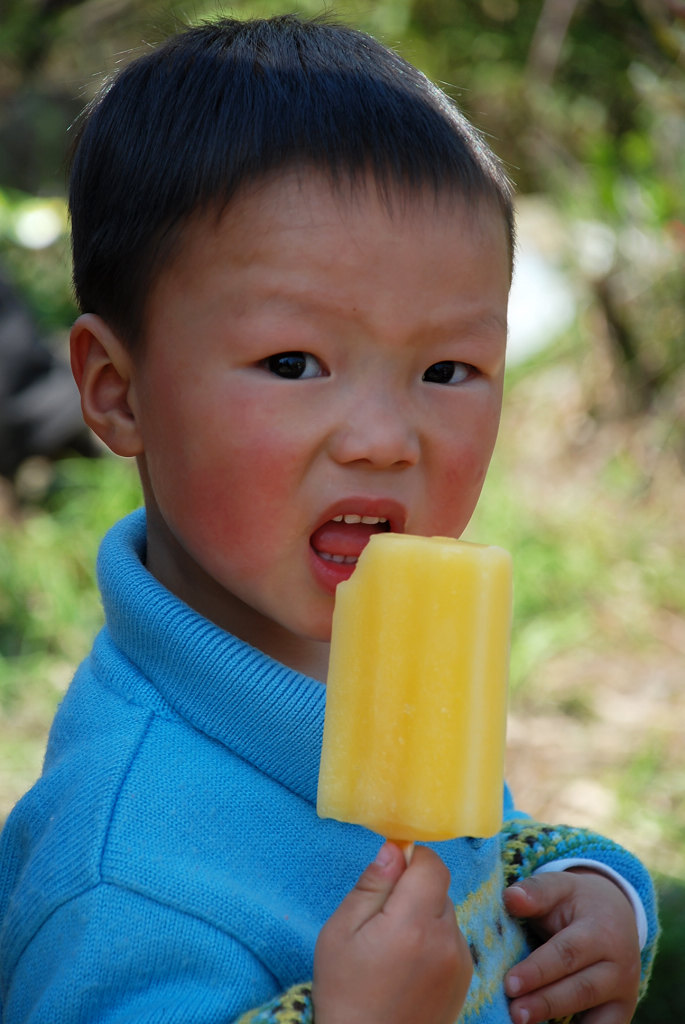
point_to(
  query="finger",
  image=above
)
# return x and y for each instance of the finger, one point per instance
(585, 990)
(374, 886)
(539, 894)
(423, 888)
(610, 1013)
(564, 954)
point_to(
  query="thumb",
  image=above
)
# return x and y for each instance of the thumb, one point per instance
(374, 886)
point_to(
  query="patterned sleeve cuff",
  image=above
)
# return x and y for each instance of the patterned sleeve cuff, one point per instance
(292, 1007)
(528, 845)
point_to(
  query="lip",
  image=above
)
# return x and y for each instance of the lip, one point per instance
(382, 508)
(329, 574)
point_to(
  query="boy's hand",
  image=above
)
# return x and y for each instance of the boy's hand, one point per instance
(591, 959)
(392, 951)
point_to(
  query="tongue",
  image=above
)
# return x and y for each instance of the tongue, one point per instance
(343, 538)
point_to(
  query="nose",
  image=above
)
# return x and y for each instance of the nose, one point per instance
(378, 430)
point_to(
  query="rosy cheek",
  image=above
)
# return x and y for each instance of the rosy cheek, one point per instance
(236, 496)
(465, 466)
(462, 480)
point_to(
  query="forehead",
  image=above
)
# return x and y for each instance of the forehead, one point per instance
(301, 200)
(299, 230)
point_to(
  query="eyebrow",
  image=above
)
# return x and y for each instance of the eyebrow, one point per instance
(477, 319)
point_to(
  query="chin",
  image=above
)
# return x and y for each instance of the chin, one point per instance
(316, 632)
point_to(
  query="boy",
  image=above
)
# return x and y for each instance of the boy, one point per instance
(293, 258)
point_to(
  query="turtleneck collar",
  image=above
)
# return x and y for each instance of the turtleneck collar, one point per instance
(257, 707)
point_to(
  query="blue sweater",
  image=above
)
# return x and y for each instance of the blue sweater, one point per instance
(169, 866)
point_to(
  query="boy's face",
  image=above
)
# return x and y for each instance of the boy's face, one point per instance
(312, 356)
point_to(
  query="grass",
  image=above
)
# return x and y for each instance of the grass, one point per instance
(49, 604)
(591, 508)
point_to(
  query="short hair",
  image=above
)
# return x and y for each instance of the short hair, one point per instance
(185, 126)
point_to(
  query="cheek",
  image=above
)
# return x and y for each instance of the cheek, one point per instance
(461, 474)
(230, 489)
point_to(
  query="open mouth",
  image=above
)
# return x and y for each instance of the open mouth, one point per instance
(339, 541)
(343, 538)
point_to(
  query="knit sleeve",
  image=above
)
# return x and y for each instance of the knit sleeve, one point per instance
(113, 955)
(293, 1007)
(527, 845)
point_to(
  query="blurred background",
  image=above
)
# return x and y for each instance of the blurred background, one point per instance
(584, 100)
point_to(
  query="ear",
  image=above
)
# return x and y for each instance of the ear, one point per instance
(104, 372)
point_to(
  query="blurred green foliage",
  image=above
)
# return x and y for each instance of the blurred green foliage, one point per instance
(49, 604)
(41, 272)
(665, 1001)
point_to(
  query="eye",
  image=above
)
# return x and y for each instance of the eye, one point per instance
(448, 372)
(294, 365)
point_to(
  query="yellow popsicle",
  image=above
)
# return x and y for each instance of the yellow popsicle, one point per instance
(415, 725)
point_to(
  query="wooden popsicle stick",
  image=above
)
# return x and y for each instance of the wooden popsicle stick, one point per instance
(407, 848)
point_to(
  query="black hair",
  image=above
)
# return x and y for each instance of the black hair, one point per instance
(220, 105)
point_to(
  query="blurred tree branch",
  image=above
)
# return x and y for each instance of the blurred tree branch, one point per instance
(548, 39)
(663, 17)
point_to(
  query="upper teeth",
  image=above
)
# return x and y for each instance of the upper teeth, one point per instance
(350, 518)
